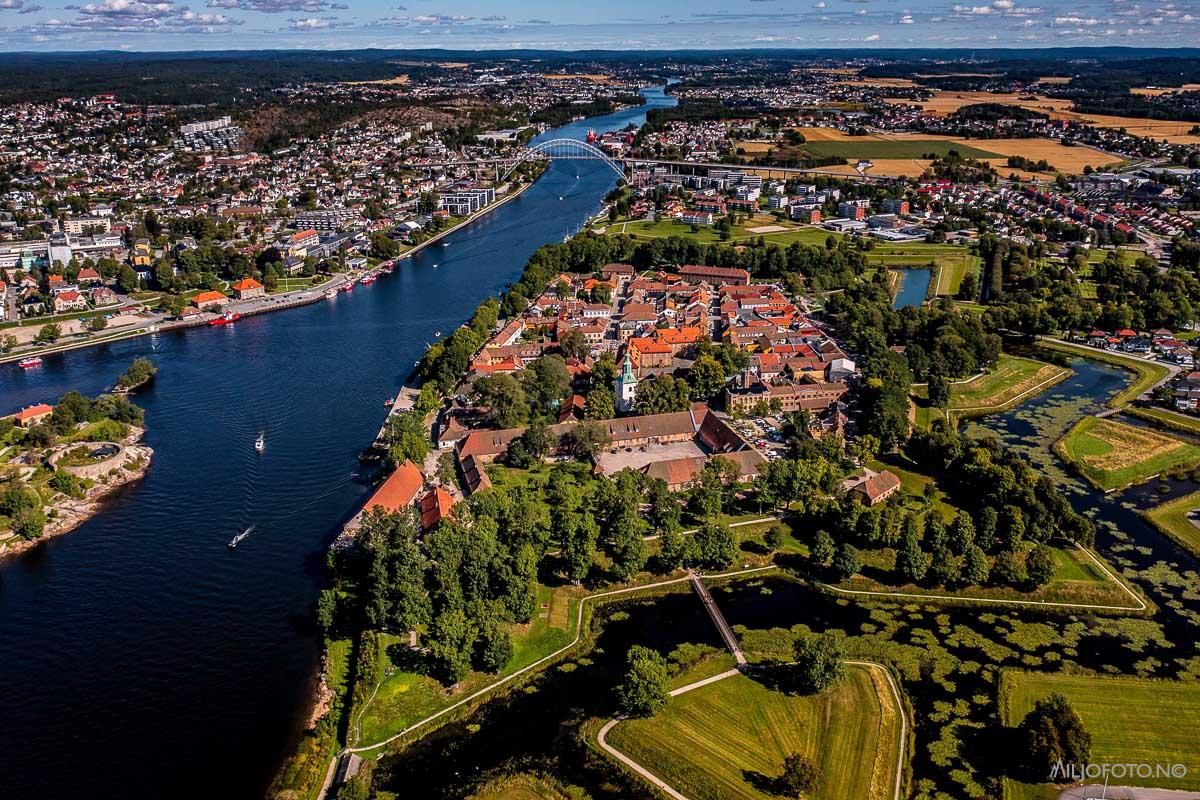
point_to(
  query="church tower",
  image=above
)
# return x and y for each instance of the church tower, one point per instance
(626, 387)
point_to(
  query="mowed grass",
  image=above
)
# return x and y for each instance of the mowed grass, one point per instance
(714, 743)
(899, 148)
(1014, 380)
(407, 695)
(1146, 374)
(1174, 519)
(524, 786)
(1112, 454)
(1170, 419)
(1132, 720)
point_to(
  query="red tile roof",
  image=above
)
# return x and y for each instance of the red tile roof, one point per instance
(399, 490)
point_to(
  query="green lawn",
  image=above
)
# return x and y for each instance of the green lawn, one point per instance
(718, 741)
(1131, 720)
(1171, 419)
(1014, 380)
(901, 148)
(1112, 454)
(406, 695)
(1172, 519)
(913, 483)
(1146, 373)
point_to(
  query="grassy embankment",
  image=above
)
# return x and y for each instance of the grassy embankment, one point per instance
(1169, 419)
(1173, 518)
(727, 739)
(1146, 373)
(1131, 720)
(1112, 455)
(1014, 380)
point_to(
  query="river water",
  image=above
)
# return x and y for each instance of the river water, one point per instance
(141, 657)
(914, 283)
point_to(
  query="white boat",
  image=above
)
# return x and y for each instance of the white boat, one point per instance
(235, 541)
(330, 293)
(260, 443)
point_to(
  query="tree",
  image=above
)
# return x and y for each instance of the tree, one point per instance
(962, 533)
(661, 395)
(326, 610)
(538, 439)
(504, 398)
(819, 661)
(127, 279)
(1054, 733)
(451, 638)
(8, 343)
(408, 437)
(1008, 569)
(774, 536)
(643, 692)
(494, 645)
(628, 546)
(823, 549)
(579, 544)
(846, 561)
(384, 246)
(97, 323)
(588, 438)
(546, 382)
(715, 545)
(600, 404)
(975, 566)
(706, 378)
(1040, 565)
(911, 563)
(574, 344)
(49, 333)
(799, 777)
(939, 391)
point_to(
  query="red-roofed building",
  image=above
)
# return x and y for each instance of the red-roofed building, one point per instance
(32, 415)
(436, 506)
(399, 491)
(248, 288)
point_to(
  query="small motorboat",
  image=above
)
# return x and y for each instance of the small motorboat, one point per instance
(347, 287)
(367, 279)
(260, 443)
(330, 293)
(28, 363)
(235, 541)
(226, 318)
(391, 401)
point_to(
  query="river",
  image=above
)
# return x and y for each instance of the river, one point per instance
(143, 658)
(914, 285)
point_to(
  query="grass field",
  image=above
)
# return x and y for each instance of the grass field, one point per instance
(1173, 519)
(718, 741)
(524, 786)
(1171, 419)
(1132, 720)
(1112, 454)
(858, 147)
(1014, 380)
(406, 694)
(1146, 373)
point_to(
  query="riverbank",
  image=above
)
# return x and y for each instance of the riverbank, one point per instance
(247, 308)
(70, 513)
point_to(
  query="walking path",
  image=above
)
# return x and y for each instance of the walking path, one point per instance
(332, 768)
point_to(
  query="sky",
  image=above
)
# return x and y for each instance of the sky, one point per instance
(143, 25)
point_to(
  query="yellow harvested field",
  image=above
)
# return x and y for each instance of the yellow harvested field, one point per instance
(767, 229)
(756, 147)
(834, 135)
(1054, 79)
(1155, 91)
(945, 103)
(1130, 446)
(399, 80)
(1066, 159)
(883, 83)
(885, 167)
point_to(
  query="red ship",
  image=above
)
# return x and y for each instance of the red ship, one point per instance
(226, 318)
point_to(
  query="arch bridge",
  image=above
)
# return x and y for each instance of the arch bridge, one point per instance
(564, 150)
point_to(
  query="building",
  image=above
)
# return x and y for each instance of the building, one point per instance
(398, 492)
(69, 300)
(32, 415)
(694, 273)
(649, 354)
(248, 288)
(626, 387)
(206, 300)
(898, 206)
(854, 209)
(435, 506)
(790, 397)
(873, 487)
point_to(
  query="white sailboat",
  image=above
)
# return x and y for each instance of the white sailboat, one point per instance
(260, 443)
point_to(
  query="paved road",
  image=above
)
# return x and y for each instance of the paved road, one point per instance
(1125, 793)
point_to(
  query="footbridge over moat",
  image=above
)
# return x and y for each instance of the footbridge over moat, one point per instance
(718, 619)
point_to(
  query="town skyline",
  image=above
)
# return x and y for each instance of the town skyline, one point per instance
(173, 25)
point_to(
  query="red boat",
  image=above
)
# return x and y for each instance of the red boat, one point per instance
(32, 361)
(387, 267)
(347, 287)
(226, 318)
(368, 279)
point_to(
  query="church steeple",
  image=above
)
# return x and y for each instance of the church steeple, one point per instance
(626, 387)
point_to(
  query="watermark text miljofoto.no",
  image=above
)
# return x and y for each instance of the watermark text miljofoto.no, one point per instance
(1064, 771)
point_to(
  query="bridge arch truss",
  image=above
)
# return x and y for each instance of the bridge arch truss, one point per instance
(565, 150)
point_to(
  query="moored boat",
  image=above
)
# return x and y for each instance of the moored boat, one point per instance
(330, 293)
(32, 361)
(367, 279)
(346, 287)
(226, 318)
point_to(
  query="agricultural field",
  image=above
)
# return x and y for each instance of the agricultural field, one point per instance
(1014, 380)
(1177, 520)
(858, 147)
(1113, 454)
(725, 741)
(1131, 720)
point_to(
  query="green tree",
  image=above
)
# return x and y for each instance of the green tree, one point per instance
(962, 533)
(715, 544)
(823, 550)
(1008, 569)
(588, 438)
(774, 536)
(706, 378)
(600, 404)
(8, 343)
(1040, 565)
(939, 391)
(127, 279)
(911, 562)
(643, 692)
(494, 645)
(451, 639)
(408, 437)
(661, 395)
(504, 398)
(546, 382)
(1054, 733)
(326, 610)
(628, 546)
(49, 333)
(975, 569)
(97, 323)
(574, 344)
(819, 661)
(846, 561)
(799, 778)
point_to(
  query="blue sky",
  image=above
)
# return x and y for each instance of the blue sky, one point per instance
(611, 24)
